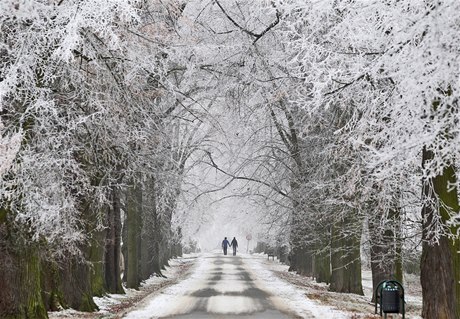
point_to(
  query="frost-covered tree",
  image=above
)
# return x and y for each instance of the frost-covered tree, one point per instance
(395, 62)
(338, 115)
(80, 90)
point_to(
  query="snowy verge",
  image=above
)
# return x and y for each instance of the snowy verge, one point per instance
(286, 296)
(172, 299)
(115, 305)
(342, 305)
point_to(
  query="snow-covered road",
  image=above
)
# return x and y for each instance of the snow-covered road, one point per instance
(230, 287)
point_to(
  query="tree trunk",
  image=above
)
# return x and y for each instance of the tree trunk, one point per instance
(438, 284)
(385, 249)
(77, 278)
(156, 229)
(93, 251)
(305, 267)
(133, 226)
(323, 265)
(20, 275)
(322, 257)
(112, 245)
(440, 261)
(96, 258)
(301, 256)
(20, 286)
(345, 258)
(76, 284)
(148, 237)
(124, 249)
(398, 261)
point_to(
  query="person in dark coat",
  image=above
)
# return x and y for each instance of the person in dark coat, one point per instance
(225, 244)
(234, 244)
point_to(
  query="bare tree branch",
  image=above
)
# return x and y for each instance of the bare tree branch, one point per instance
(345, 85)
(234, 177)
(257, 36)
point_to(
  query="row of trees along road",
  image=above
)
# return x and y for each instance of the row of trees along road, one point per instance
(348, 115)
(98, 118)
(351, 113)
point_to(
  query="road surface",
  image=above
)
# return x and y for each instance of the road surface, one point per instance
(220, 287)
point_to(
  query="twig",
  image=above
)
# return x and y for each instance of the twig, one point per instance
(345, 85)
(257, 36)
(213, 164)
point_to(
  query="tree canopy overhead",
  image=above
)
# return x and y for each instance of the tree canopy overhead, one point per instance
(335, 123)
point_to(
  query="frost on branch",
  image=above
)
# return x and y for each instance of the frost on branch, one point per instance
(9, 147)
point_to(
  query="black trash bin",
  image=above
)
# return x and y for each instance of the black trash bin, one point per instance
(390, 299)
(389, 294)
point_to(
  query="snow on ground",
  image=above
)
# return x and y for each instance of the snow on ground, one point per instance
(289, 292)
(351, 305)
(113, 305)
(171, 300)
(193, 292)
(177, 299)
(286, 296)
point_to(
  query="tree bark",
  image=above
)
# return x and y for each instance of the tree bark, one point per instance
(440, 261)
(93, 251)
(385, 249)
(133, 226)
(77, 278)
(346, 258)
(323, 265)
(113, 245)
(75, 284)
(300, 257)
(96, 258)
(20, 274)
(20, 284)
(147, 240)
(156, 230)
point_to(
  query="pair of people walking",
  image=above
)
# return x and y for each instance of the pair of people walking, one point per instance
(226, 244)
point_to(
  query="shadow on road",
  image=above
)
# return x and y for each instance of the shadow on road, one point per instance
(228, 291)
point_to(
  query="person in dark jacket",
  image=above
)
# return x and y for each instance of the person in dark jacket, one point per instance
(225, 244)
(234, 244)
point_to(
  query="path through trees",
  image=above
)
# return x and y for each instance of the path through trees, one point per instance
(123, 124)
